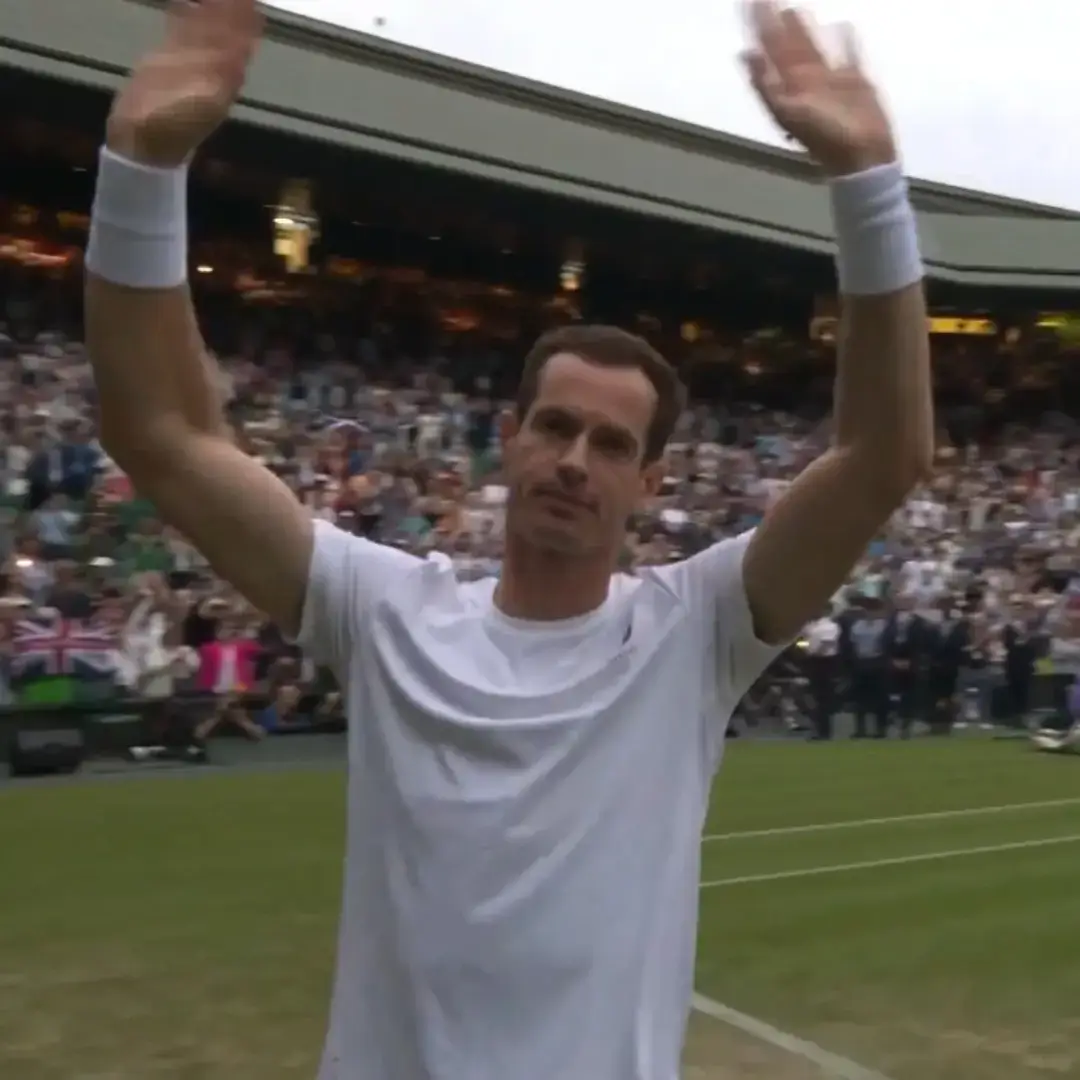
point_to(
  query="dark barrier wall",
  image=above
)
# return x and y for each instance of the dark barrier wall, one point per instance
(112, 726)
(109, 728)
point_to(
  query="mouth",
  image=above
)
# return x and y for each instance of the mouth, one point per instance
(563, 500)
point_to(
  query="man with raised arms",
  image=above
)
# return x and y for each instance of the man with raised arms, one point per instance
(530, 760)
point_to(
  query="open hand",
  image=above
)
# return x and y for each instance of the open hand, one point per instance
(830, 107)
(182, 91)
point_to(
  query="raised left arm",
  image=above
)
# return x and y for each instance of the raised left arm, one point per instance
(883, 437)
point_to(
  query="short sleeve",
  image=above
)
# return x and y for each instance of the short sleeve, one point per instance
(712, 583)
(347, 577)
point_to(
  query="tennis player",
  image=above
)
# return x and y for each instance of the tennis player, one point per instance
(530, 761)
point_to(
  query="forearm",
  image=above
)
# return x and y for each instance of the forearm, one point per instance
(883, 409)
(150, 366)
(883, 419)
(152, 371)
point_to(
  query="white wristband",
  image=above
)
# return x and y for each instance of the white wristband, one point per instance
(138, 227)
(877, 242)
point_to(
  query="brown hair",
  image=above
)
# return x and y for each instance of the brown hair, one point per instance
(608, 346)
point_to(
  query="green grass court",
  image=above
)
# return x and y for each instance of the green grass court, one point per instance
(184, 927)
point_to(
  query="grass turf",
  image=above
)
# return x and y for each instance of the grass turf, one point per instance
(184, 928)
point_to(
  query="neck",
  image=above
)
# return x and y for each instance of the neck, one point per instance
(544, 586)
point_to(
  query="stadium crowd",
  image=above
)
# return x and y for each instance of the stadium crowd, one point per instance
(971, 593)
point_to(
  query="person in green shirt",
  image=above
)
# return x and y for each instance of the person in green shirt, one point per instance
(143, 550)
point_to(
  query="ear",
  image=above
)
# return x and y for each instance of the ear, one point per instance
(509, 429)
(652, 476)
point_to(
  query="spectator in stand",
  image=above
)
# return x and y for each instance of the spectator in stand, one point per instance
(68, 595)
(227, 670)
(283, 712)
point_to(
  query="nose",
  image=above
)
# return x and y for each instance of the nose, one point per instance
(572, 465)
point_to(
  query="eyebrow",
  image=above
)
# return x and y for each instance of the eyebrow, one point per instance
(609, 426)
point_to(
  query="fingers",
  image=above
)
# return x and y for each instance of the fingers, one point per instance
(766, 82)
(247, 16)
(230, 28)
(787, 49)
(237, 18)
(178, 13)
(851, 56)
(799, 39)
(784, 33)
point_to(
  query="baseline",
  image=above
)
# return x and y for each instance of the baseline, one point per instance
(832, 1066)
(901, 860)
(863, 823)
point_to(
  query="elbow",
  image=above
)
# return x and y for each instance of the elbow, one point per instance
(905, 473)
(887, 475)
(923, 464)
(124, 443)
(917, 461)
(116, 444)
(114, 438)
(142, 450)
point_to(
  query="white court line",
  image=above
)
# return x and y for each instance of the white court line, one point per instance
(862, 823)
(833, 1066)
(902, 860)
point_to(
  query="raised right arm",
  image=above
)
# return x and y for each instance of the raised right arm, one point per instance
(163, 425)
(161, 414)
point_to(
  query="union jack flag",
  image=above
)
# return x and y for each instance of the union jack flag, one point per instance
(55, 646)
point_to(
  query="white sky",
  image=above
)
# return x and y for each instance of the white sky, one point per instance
(985, 95)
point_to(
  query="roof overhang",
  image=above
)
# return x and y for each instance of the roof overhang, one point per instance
(356, 90)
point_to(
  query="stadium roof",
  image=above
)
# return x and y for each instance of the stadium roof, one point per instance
(355, 89)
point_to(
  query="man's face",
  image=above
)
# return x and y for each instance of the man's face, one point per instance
(574, 465)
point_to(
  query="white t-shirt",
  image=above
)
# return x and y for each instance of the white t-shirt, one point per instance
(926, 514)
(525, 805)
(430, 427)
(923, 578)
